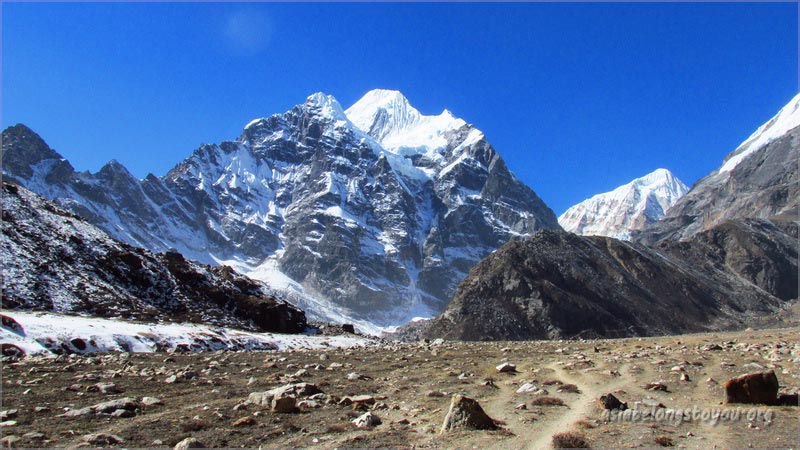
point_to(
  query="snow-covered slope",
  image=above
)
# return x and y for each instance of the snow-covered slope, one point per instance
(629, 207)
(374, 213)
(48, 333)
(55, 261)
(786, 119)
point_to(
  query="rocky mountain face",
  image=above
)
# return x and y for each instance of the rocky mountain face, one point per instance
(376, 212)
(757, 180)
(56, 261)
(724, 256)
(632, 206)
(560, 285)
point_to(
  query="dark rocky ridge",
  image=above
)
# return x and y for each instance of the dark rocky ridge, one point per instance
(55, 261)
(560, 285)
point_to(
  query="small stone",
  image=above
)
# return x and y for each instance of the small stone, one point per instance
(107, 388)
(527, 388)
(244, 421)
(435, 394)
(685, 377)
(188, 443)
(171, 379)
(103, 439)
(506, 367)
(521, 406)
(151, 401)
(366, 421)
(34, 436)
(656, 386)
(8, 414)
(41, 409)
(8, 423)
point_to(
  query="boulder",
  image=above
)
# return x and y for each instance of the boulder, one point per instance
(609, 401)
(466, 413)
(760, 388)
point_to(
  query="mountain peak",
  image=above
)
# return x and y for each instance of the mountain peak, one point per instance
(626, 208)
(388, 117)
(325, 105)
(786, 119)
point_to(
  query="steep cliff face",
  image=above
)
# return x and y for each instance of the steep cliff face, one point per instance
(55, 261)
(374, 213)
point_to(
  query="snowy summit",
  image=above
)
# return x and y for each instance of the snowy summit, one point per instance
(629, 207)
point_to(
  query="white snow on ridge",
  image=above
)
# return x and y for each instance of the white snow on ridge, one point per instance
(107, 335)
(388, 117)
(786, 119)
(626, 208)
(316, 307)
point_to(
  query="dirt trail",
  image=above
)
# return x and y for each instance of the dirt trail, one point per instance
(539, 435)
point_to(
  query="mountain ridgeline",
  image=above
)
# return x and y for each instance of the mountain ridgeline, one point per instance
(724, 256)
(374, 213)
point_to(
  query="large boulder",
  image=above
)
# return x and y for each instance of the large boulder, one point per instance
(466, 413)
(760, 388)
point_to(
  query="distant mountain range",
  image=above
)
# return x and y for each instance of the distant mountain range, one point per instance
(371, 215)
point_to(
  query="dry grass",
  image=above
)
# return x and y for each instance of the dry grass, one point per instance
(665, 441)
(548, 401)
(571, 388)
(195, 425)
(570, 439)
(585, 424)
(551, 382)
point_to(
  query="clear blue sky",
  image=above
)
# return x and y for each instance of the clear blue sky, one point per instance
(578, 98)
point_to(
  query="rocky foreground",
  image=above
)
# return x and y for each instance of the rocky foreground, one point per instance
(421, 395)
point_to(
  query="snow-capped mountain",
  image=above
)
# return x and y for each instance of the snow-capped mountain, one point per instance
(631, 206)
(374, 213)
(759, 179)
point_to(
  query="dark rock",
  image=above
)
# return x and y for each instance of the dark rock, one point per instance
(758, 388)
(609, 401)
(788, 400)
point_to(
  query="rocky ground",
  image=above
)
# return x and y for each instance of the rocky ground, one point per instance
(158, 400)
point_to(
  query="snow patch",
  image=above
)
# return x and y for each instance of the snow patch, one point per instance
(44, 332)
